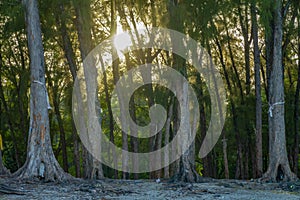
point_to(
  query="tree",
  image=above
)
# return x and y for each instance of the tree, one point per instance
(278, 160)
(258, 123)
(92, 167)
(186, 169)
(3, 169)
(70, 57)
(40, 161)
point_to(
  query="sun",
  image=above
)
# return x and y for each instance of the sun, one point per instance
(122, 41)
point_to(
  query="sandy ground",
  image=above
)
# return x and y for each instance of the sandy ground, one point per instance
(148, 189)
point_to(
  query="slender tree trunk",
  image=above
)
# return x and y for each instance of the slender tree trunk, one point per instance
(40, 160)
(116, 76)
(70, 56)
(244, 21)
(167, 138)
(61, 130)
(76, 151)
(83, 23)
(133, 130)
(111, 118)
(207, 161)
(258, 123)
(240, 165)
(245, 32)
(226, 170)
(278, 161)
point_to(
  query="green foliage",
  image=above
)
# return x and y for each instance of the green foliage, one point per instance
(205, 21)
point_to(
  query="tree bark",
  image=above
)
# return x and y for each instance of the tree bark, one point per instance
(278, 168)
(186, 171)
(40, 160)
(93, 168)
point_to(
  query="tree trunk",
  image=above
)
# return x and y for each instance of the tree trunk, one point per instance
(70, 57)
(133, 129)
(258, 120)
(111, 118)
(93, 168)
(40, 160)
(226, 167)
(61, 130)
(167, 138)
(278, 168)
(186, 171)
(245, 32)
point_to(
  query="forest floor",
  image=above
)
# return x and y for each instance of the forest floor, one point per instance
(150, 189)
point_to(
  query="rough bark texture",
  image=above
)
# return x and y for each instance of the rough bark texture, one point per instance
(279, 168)
(93, 168)
(186, 171)
(40, 162)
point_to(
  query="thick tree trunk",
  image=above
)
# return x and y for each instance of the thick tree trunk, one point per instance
(186, 171)
(40, 160)
(279, 168)
(258, 121)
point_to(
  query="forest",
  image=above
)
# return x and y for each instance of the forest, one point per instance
(98, 89)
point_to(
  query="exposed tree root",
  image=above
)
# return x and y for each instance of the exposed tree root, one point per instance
(278, 173)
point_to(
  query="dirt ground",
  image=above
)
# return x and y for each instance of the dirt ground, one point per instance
(149, 189)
